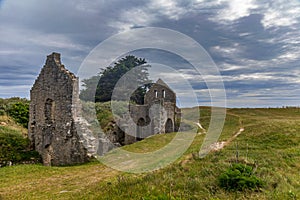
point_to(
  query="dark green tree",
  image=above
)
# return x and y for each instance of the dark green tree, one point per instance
(108, 78)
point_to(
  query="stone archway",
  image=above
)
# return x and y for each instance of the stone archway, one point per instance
(169, 126)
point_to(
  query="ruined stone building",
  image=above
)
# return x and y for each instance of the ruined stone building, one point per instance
(159, 114)
(62, 137)
(56, 129)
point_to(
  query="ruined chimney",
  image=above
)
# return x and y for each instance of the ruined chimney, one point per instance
(53, 58)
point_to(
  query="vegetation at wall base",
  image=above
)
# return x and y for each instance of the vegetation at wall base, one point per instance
(14, 144)
(15, 148)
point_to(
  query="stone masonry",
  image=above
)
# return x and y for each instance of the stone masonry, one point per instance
(159, 114)
(56, 129)
(62, 137)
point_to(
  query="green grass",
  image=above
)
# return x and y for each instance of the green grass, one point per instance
(14, 145)
(270, 142)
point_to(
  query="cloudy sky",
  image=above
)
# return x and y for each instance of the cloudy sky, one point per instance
(255, 44)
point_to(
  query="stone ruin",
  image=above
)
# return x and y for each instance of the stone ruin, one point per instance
(56, 129)
(159, 114)
(62, 136)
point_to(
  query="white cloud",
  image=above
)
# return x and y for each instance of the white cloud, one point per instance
(173, 77)
(227, 51)
(278, 13)
(148, 14)
(133, 17)
(230, 67)
(236, 9)
(256, 77)
(281, 13)
(169, 8)
(226, 11)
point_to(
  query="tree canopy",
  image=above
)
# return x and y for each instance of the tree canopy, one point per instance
(104, 83)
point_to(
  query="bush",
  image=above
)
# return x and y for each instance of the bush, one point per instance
(2, 112)
(104, 114)
(19, 111)
(239, 177)
(2, 107)
(15, 148)
(17, 108)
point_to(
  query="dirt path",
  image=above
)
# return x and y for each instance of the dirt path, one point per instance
(220, 145)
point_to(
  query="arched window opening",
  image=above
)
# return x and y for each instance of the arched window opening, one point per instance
(49, 111)
(169, 126)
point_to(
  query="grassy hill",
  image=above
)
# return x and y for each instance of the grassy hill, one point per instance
(270, 143)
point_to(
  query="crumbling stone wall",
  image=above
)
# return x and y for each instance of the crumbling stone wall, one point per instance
(159, 91)
(56, 129)
(62, 137)
(159, 114)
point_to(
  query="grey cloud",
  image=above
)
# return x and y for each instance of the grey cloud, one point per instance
(246, 39)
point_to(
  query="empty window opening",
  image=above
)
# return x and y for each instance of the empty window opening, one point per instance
(156, 95)
(49, 111)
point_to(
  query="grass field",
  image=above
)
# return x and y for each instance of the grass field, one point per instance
(270, 141)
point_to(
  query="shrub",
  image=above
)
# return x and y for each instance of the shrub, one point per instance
(2, 107)
(239, 177)
(19, 111)
(15, 148)
(2, 112)
(104, 114)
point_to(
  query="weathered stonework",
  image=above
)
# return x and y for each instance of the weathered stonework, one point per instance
(56, 129)
(159, 114)
(62, 137)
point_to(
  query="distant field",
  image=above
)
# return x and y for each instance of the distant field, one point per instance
(270, 141)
